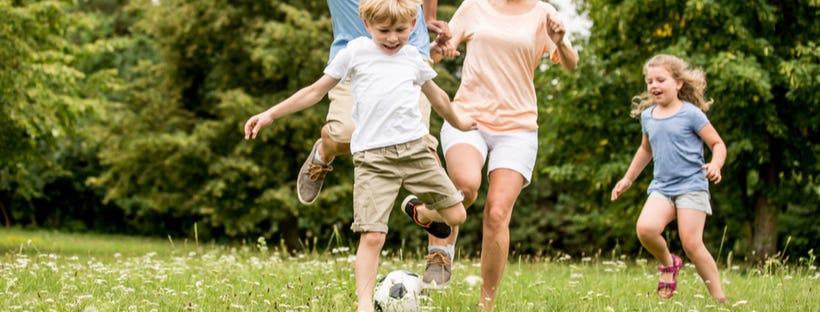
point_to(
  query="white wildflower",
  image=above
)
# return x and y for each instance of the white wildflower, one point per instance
(83, 297)
(472, 280)
(739, 303)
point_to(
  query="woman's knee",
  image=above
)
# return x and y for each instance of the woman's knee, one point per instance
(495, 217)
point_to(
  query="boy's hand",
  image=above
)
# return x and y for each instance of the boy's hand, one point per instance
(619, 188)
(555, 28)
(713, 173)
(255, 123)
(445, 49)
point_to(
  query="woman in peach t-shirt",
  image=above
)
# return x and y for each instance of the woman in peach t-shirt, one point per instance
(505, 42)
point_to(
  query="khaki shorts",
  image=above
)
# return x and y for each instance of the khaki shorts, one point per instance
(339, 120)
(692, 200)
(380, 173)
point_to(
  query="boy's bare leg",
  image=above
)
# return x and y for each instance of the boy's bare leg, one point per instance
(367, 266)
(330, 148)
(453, 215)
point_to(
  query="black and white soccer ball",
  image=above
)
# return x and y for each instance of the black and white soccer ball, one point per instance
(399, 291)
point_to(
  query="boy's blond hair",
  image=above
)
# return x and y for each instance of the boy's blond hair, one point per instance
(693, 89)
(389, 12)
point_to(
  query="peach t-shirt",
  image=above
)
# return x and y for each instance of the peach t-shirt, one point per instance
(497, 87)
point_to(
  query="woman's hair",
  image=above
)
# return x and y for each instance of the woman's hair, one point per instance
(693, 89)
(388, 11)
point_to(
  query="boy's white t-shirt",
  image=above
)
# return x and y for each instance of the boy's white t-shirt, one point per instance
(386, 90)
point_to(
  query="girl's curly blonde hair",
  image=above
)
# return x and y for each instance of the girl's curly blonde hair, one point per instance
(693, 89)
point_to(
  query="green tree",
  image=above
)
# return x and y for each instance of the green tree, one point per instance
(177, 154)
(44, 98)
(761, 60)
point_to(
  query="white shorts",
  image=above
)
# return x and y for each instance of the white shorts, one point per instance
(516, 151)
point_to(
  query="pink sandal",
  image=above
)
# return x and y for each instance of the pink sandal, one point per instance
(677, 263)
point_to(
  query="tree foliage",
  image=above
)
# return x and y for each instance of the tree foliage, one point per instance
(765, 110)
(127, 116)
(45, 98)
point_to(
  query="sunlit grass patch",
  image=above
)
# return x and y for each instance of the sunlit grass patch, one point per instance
(92, 274)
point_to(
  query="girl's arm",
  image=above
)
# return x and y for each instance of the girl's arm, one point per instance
(712, 139)
(642, 158)
(440, 102)
(302, 99)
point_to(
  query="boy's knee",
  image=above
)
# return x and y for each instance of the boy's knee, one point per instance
(455, 215)
(372, 239)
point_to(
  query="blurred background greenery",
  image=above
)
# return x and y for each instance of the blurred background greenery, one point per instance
(126, 117)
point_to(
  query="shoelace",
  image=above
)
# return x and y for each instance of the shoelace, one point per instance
(316, 172)
(438, 258)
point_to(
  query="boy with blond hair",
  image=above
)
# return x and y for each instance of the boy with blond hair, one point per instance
(388, 145)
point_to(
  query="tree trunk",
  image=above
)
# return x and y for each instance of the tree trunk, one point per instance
(5, 215)
(764, 233)
(290, 233)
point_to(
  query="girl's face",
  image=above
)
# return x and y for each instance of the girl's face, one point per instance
(662, 87)
(390, 38)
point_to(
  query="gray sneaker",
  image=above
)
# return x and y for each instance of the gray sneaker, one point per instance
(437, 274)
(311, 177)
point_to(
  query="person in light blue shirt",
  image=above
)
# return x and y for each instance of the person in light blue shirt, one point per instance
(337, 132)
(675, 128)
(389, 146)
(347, 25)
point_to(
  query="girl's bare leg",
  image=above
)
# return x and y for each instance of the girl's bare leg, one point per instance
(690, 227)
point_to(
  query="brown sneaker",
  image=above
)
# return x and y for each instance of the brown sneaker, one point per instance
(311, 177)
(437, 274)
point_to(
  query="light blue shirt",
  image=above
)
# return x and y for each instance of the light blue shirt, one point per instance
(677, 150)
(348, 25)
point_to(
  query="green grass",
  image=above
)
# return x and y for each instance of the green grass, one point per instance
(47, 271)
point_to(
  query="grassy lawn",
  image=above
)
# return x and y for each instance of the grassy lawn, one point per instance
(48, 271)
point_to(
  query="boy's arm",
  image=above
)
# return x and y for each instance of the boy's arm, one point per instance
(642, 158)
(302, 99)
(440, 102)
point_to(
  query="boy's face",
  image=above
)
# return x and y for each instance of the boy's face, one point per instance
(390, 38)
